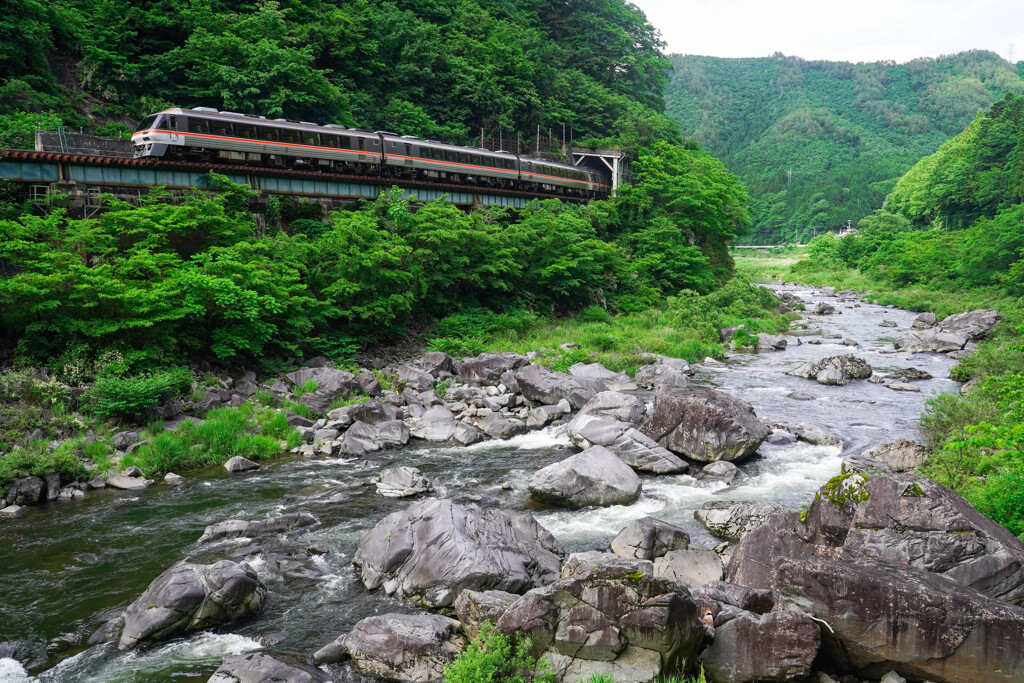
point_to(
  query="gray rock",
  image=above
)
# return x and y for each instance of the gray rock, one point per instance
(190, 597)
(467, 434)
(122, 440)
(658, 374)
(901, 455)
(372, 412)
(369, 384)
(859, 464)
(904, 386)
(402, 482)
(27, 491)
(834, 370)
(436, 362)
(734, 519)
(436, 424)
(473, 608)
(173, 479)
(727, 333)
(922, 625)
(120, 481)
(609, 621)
(887, 323)
(322, 435)
(780, 646)
(487, 368)
(898, 519)
(615, 381)
(924, 321)
(581, 564)
(693, 566)
(974, 325)
(237, 528)
(362, 438)
(933, 340)
(11, 510)
(909, 374)
(414, 378)
(434, 549)
(257, 667)
(824, 309)
(540, 417)
(781, 437)
(632, 446)
(403, 647)
(771, 342)
(720, 470)
(498, 426)
(616, 405)
(296, 420)
(893, 677)
(97, 482)
(537, 383)
(704, 424)
(801, 396)
(235, 464)
(649, 538)
(328, 380)
(817, 434)
(594, 477)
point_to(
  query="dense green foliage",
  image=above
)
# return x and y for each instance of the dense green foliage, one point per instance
(133, 397)
(847, 132)
(438, 70)
(953, 232)
(159, 282)
(493, 657)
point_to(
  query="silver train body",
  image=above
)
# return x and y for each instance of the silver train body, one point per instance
(207, 135)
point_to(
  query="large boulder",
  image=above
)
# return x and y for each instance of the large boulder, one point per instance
(704, 424)
(632, 446)
(402, 482)
(615, 381)
(436, 424)
(580, 564)
(369, 412)
(693, 566)
(497, 426)
(615, 405)
(924, 321)
(932, 339)
(901, 455)
(594, 477)
(487, 368)
(474, 608)
(237, 528)
(257, 667)
(780, 646)
(974, 325)
(414, 378)
(609, 621)
(731, 520)
(434, 549)
(899, 519)
(29, 491)
(648, 538)
(537, 383)
(655, 375)
(362, 438)
(884, 617)
(834, 370)
(328, 380)
(436, 362)
(190, 597)
(399, 647)
(116, 480)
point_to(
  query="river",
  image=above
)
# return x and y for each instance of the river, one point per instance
(67, 567)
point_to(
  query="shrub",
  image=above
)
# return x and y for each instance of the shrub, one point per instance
(132, 398)
(493, 657)
(37, 460)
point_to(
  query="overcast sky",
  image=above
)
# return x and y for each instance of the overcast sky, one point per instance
(857, 31)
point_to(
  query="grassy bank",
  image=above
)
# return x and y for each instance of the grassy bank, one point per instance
(685, 326)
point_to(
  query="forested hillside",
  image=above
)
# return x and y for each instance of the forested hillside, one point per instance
(952, 233)
(846, 132)
(433, 69)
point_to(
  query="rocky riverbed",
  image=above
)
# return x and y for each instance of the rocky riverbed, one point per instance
(340, 546)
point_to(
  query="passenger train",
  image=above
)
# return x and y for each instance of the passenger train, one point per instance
(207, 135)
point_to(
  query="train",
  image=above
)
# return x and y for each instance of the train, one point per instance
(204, 134)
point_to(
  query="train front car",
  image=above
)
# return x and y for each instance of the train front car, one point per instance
(154, 135)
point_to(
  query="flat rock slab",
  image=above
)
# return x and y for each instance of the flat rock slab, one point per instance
(649, 538)
(734, 519)
(257, 667)
(780, 646)
(121, 481)
(694, 566)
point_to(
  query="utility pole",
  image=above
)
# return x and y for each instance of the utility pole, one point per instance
(789, 177)
(1012, 54)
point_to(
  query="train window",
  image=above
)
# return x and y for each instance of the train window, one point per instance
(408, 150)
(329, 141)
(488, 161)
(475, 159)
(221, 128)
(172, 122)
(201, 126)
(247, 131)
(449, 155)
(310, 139)
(463, 158)
(292, 137)
(345, 143)
(362, 144)
(510, 164)
(149, 123)
(268, 134)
